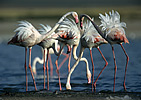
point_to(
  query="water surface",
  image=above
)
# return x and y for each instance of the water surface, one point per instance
(13, 76)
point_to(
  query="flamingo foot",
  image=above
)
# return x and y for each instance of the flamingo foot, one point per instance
(34, 71)
(68, 86)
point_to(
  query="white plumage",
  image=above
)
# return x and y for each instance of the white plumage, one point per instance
(25, 30)
(111, 21)
(44, 29)
(69, 29)
(90, 33)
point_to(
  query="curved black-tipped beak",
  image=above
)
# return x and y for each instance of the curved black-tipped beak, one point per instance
(76, 20)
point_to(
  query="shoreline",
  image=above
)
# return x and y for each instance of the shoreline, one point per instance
(71, 95)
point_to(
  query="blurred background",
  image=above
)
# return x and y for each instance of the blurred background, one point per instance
(12, 11)
(49, 12)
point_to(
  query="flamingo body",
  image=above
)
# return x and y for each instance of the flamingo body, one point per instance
(113, 28)
(26, 35)
(90, 37)
(69, 32)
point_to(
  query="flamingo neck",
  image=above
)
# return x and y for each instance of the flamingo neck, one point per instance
(81, 59)
(75, 64)
(37, 59)
(55, 48)
(57, 25)
(74, 52)
(96, 27)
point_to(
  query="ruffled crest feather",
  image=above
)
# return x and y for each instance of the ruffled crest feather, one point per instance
(69, 27)
(111, 21)
(89, 32)
(45, 29)
(24, 30)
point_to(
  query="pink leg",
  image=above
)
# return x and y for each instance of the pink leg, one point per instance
(26, 70)
(44, 68)
(69, 61)
(92, 68)
(106, 63)
(63, 60)
(127, 60)
(31, 69)
(47, 70)
(51, 66)
(57, 70)
(115, 67)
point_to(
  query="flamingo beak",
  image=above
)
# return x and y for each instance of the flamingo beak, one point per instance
(89, 80)
(76, 20)
(81, 25)
(89, 77)
(34, 71)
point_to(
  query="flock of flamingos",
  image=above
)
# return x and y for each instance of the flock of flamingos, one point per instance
(67, 32)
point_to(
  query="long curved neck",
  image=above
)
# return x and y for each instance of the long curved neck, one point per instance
(55, 45)
(74, 52)
(96, 27)
(55, 48)
(75, 64)
(37, 59)
(57, 25)
(81, 59)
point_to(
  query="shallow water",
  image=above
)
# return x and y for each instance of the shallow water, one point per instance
(12, 73)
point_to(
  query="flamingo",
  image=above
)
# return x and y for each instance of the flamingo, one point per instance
(48, 44)
(27, 36)
(114, 33)
(90, 39)
(53, 44)
(70, 34)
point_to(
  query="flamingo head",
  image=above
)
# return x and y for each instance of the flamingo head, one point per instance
(34, 70)
(81, 22)
(68, 86)
(75, 15)
(89, 77)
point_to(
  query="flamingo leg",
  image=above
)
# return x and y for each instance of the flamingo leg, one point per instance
(26, 70)
(127, 60)
(115, 67)
(44, 67)
(69, 60)
(57, 70)
(31, 69)
(106, 63)
(67, 56)
(51, 66)
(47, 70)
(92, 68)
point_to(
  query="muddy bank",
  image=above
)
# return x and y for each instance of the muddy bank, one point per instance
(70, 95)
